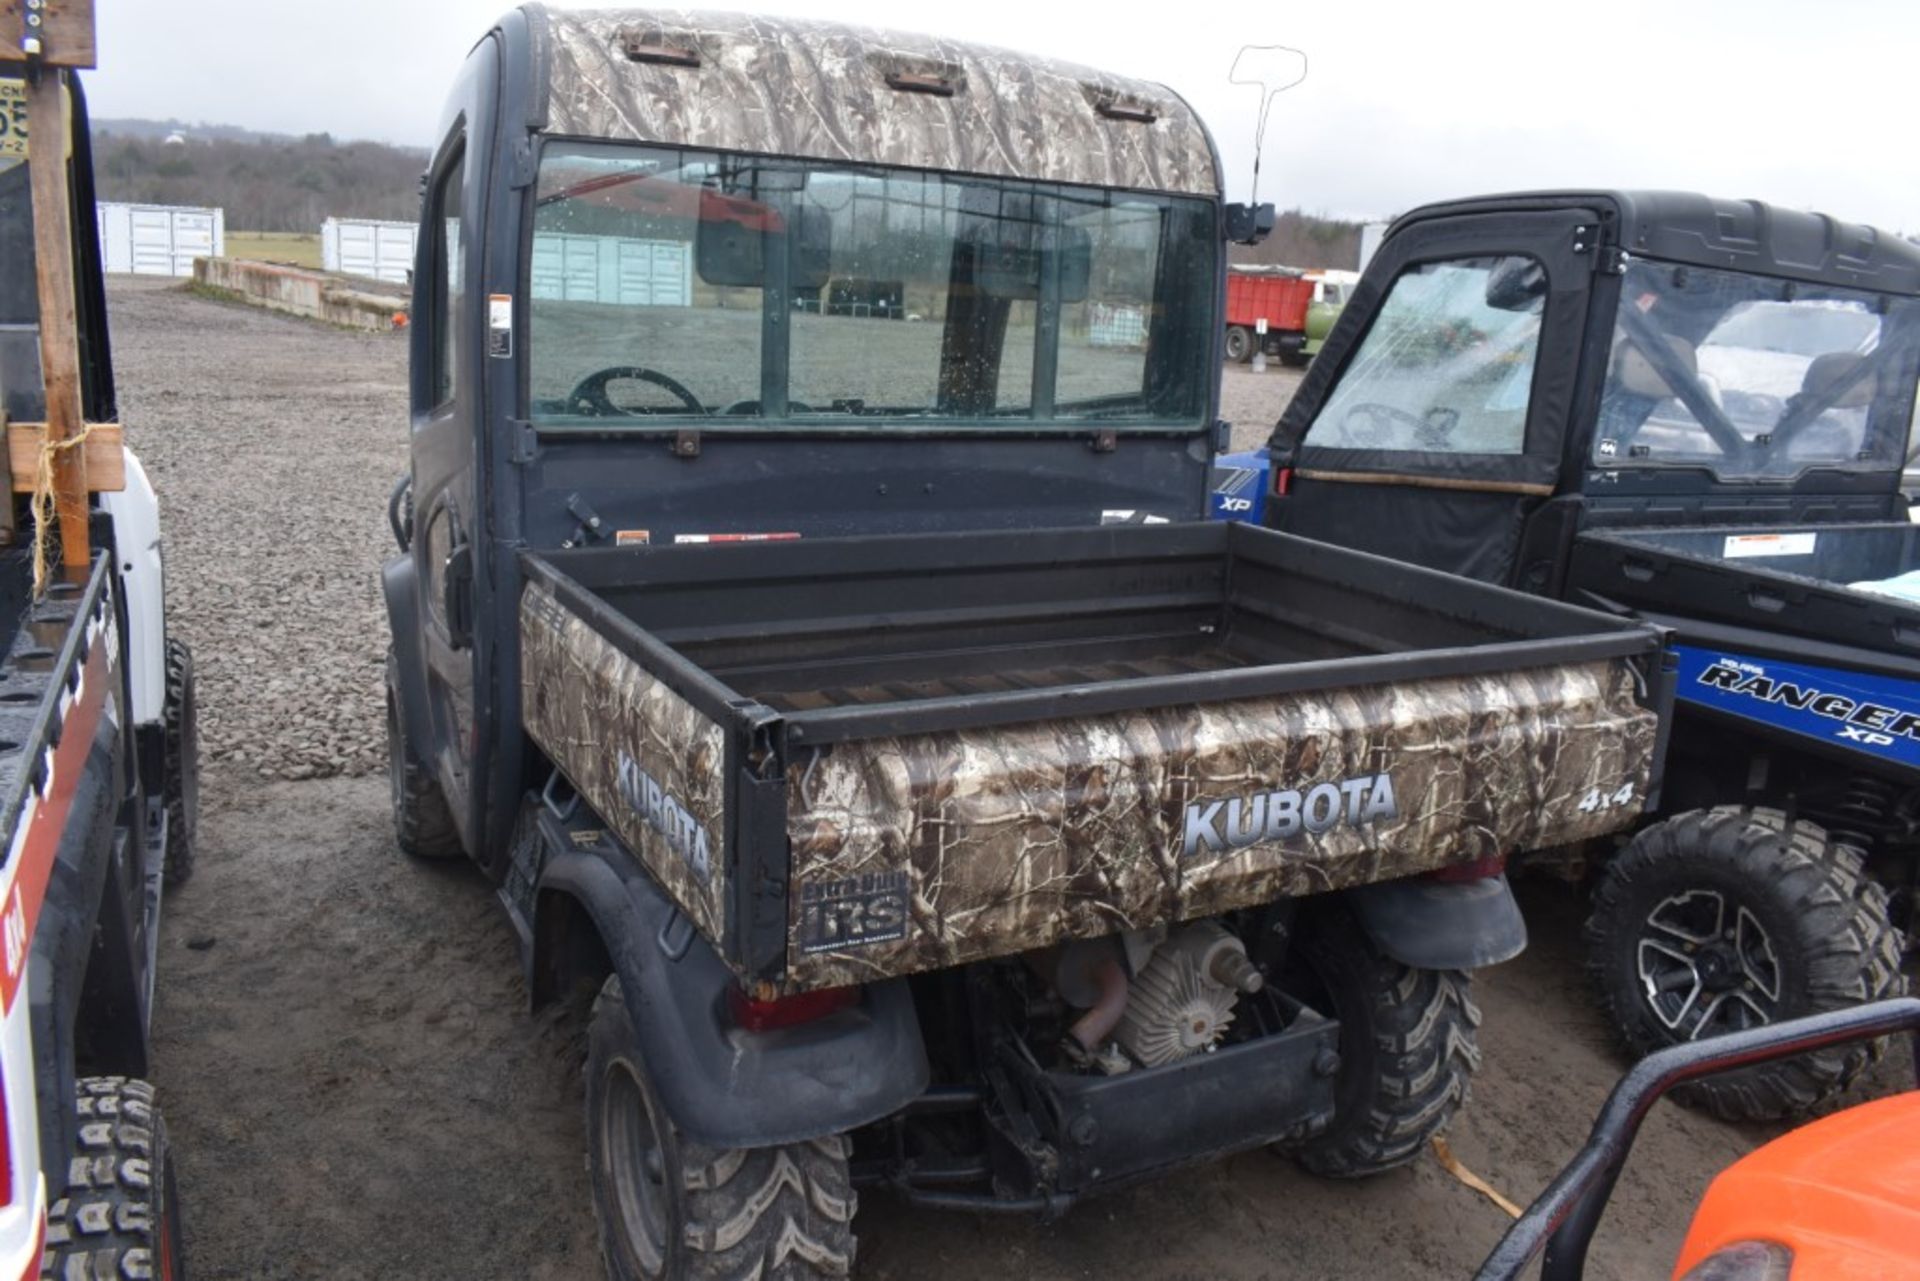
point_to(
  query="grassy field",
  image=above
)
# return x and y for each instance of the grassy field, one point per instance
(275, 246)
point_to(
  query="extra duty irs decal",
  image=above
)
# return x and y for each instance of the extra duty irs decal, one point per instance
(1857, 710)
(853, 912)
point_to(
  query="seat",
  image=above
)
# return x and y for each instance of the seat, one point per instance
(1839, 370)
(1635, 375)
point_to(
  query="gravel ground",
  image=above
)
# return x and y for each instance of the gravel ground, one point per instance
(273, 442)
(1254, 402)
(352, 1081)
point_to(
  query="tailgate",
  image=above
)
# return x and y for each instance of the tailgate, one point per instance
(913, 853)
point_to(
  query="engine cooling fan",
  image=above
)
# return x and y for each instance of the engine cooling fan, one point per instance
(1182, 1000)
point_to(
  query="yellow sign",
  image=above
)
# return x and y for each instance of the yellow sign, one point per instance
(13, 118)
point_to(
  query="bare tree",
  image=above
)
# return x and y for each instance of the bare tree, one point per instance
(287, 185)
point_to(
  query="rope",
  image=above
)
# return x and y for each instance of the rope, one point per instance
(43, 504)
(1452, 1165)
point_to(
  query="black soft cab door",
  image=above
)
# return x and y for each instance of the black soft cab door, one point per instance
(1431, 425)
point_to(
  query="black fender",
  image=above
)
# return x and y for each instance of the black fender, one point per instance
(722, 1086)
(86, 968)
(1442, 925)
(399, 582)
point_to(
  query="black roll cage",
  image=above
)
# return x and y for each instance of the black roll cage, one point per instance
(1561, 1221)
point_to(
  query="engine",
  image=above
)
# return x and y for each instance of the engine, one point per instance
(1182, 1000)
(1178, 1002)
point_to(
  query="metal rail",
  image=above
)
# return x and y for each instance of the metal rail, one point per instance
(1562, 1219)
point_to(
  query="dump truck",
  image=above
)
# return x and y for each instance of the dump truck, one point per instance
(98, 734)
(862, 726)
(1267, 312)
(1692, 411)
(1282, 311)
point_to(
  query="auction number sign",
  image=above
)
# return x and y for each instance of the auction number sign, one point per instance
(13, 118)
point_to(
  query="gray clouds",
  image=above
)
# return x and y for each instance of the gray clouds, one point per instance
(1800, 104)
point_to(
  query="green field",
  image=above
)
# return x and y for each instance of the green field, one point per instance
(275, 246)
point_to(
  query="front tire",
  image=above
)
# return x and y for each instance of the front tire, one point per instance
(422, 823)
(671, 1209)
(180, 763)
(119, 1215)
(1717, 920)
(1408, 1048)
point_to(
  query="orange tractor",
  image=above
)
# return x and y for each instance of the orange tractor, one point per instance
(1836, 1200)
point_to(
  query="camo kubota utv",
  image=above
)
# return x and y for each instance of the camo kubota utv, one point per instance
(1693, 412)
(803, 612)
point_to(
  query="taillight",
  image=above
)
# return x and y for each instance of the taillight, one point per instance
(755, 1015)
(1478, 870)
(1282, 481)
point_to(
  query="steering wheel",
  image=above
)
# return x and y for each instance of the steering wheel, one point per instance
(1375, 411)
(589, 395)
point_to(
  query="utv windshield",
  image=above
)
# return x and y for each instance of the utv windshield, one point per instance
(670, 285)
(1755, 378)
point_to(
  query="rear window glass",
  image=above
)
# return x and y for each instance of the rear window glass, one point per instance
(1755, 378)
(669, 283)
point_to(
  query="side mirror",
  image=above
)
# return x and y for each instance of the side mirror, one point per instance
(730, 244)
(1515, 284)
(1249, 224)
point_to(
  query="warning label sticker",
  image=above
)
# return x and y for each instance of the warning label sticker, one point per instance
(1741, 545)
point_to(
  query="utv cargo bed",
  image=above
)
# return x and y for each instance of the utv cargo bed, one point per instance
(1834, 583)
(846, 759)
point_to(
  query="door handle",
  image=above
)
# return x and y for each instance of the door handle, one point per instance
(459, 595)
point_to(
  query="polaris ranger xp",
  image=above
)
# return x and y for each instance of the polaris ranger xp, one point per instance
(803, 612)
(1694, 412)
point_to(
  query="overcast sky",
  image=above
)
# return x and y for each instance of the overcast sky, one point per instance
(1805, 104)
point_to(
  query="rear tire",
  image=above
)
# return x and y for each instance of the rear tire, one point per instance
(674, 1210)
(422, 823)
(1239, 344)
(1295, 359)
(1720, 919)
(119, 1216)
(1408, 1049)
(180, 763)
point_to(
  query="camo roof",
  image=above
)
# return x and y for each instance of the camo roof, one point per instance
(795, 87)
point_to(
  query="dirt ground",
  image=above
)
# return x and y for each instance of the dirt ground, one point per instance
(352, 1081)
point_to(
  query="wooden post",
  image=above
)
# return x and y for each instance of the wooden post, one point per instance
(51, 36)
(59, 329)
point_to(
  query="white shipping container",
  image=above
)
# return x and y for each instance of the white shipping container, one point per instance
(612, 269)
(360, 247)
(1371, 234)
(158, 240)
